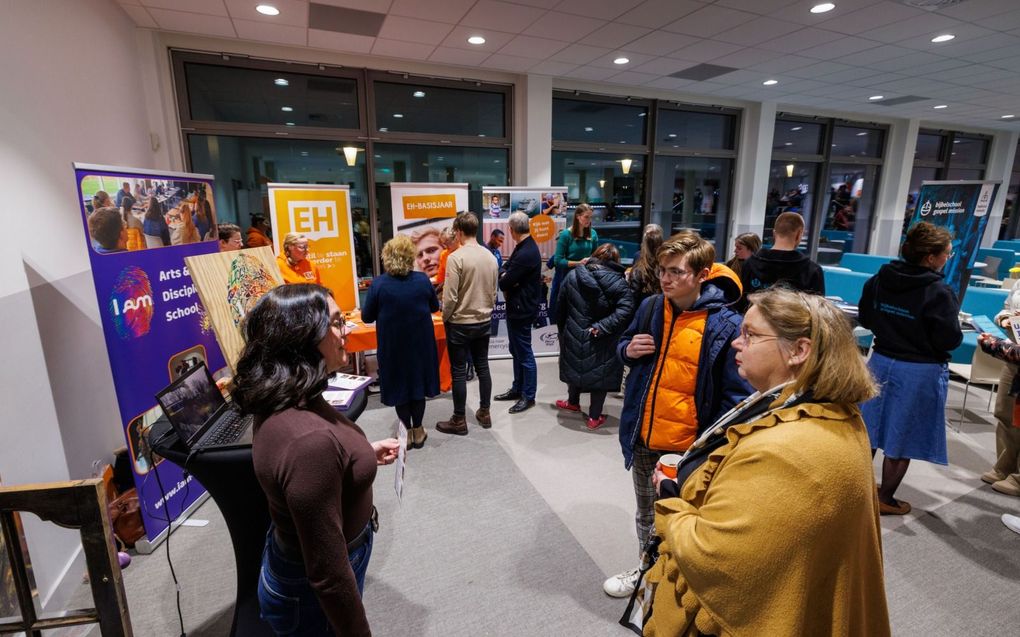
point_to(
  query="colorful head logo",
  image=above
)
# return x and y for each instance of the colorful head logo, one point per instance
(131, 303)
(248, 281)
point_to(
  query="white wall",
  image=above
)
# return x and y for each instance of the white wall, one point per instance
(72, 91)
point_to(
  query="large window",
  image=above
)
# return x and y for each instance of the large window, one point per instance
(827, 171)
(603, 148)
(945, 155)
(1010, 228)
(252, 122)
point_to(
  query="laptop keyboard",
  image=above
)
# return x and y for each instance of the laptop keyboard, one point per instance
(231, 427)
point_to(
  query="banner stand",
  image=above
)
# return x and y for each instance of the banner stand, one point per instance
(145, 546)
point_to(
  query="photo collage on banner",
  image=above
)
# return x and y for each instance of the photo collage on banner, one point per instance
(962, 208)
(547, 209)
(139, 226)
(322, 213)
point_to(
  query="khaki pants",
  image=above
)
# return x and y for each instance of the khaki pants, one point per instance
(1007, 437)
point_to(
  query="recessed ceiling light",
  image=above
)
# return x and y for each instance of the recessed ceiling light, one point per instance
(588, 129)
(398, 115)
(1007, 117)
(418, 94)
(476, 39)
(940, 106)
(945, 37)
(286, 109)
(281, 82)
(621, 60)
(797, 128)
(770, 82)
(290, 123)
(267, 9)
(874, 98)
(825, 7)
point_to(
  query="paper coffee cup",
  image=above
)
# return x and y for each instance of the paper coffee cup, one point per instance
(667, 464)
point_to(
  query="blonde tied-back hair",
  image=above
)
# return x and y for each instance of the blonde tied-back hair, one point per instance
(398, 255)
(834, 370)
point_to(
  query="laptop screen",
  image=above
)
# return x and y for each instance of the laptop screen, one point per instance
(190, 402)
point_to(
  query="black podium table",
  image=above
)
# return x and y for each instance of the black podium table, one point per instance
(229, 477)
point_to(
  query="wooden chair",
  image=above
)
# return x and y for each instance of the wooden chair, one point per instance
(79, 504)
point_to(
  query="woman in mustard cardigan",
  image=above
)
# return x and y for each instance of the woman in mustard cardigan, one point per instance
(776, 531)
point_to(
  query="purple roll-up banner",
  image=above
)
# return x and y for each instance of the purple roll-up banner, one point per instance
(139, 226)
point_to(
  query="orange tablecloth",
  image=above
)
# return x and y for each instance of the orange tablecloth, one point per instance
(363, 337)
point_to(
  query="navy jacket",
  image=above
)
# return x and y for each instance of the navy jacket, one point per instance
(521, 281)
(718, 387)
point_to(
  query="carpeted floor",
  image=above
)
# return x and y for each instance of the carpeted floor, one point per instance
(510, 532)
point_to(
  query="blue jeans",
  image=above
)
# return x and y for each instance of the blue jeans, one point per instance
(525, 370)
(286, 599)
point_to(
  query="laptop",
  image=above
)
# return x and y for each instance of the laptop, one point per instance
(199, 414)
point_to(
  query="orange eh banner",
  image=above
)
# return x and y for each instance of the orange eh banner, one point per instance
(429, 206)
(323, 215)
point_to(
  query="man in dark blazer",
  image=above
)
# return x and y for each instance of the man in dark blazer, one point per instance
(521, 282)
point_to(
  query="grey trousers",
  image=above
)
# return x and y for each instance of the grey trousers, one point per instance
(1007, 437)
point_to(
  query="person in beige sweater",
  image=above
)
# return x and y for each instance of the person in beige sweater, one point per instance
(776, 532)
(469, 293)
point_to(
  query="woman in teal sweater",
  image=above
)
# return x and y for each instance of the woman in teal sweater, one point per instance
(573, 247)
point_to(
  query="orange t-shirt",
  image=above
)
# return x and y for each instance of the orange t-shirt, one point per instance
(303, 271)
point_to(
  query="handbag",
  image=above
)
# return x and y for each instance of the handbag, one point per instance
(639, 608)
(126, 517)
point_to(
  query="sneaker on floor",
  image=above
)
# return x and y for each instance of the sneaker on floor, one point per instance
(567, 406)
(900, 508)
(993, 476)
(622, 584)
(1012, 522)
(1008, 486)
(595, 423)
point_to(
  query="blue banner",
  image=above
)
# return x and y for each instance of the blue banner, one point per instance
(139, 225)
(961, 207)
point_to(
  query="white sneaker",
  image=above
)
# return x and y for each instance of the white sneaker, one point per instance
(1012, 523)
(621, 585)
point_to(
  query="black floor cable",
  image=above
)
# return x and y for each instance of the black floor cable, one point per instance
(169, 529)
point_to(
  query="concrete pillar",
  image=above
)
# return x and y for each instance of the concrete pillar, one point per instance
(999, 168)
(533, 134)
(891, 202)
(751, 181)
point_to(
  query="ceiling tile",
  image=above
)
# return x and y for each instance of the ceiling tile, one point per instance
(747, 57)
(580, 54)
(606, 61)
(140, 16)
(462, 57)
(205, 7)
(839, 48)
(978, 10)
(530, 3)
(530, 47)
(602, 9)
(1002, 22)
(800, 40)
(340, 41)
(414, 30)
(705, 51)
(564, 27)
(655, 13)
(549, 67)
(709, 21)
(873, 17)
(669, 83)
(784, 64)
(615, 35)
(662, 66)
(502, 16)
(633, 78)
(402, 49)
(438, 10)
(661, 43)
(821, 70)
(277, 33)
(750, 78)
(494, 40)
(876, 54)
(591, 73)
(756, 31)
(989, 41)
(187, 22)
(763, 7)
(910, 62)
(292, 12)
(800, 13)
(929, 25)
(508, 63)
(375, 6)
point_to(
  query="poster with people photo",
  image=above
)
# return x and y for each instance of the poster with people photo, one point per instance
(423, 212)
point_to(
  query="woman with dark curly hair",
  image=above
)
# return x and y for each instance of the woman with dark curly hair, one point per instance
(315, 466)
